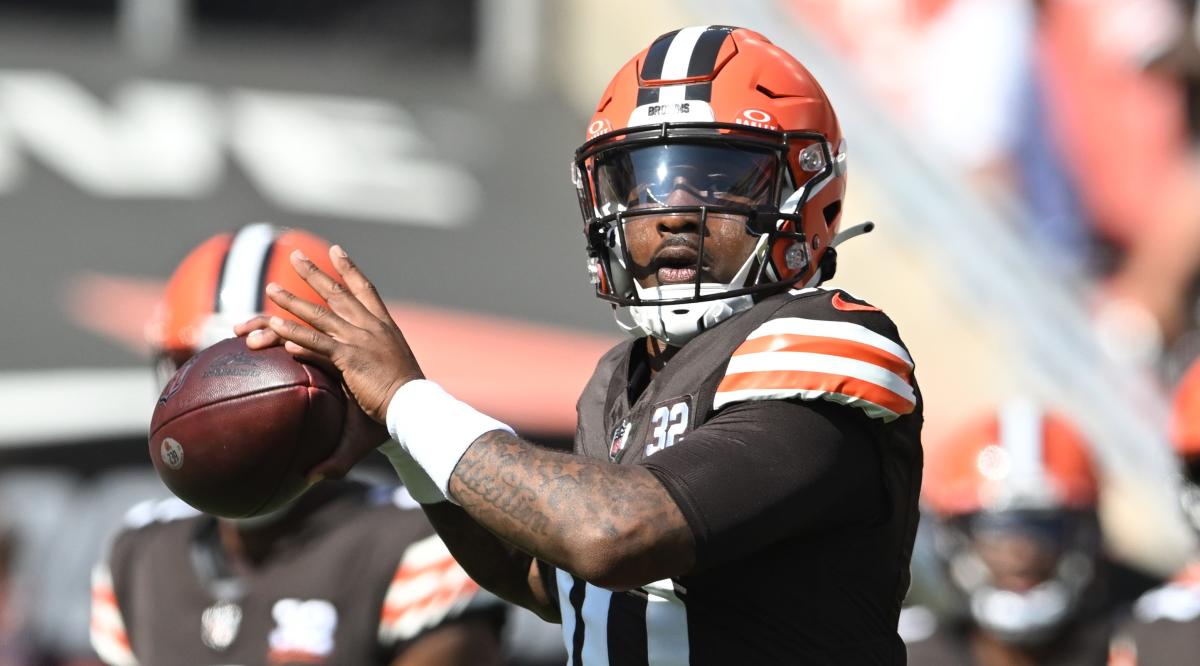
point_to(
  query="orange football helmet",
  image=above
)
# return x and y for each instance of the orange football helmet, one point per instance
(221, 283)
(1014, 494)
(1014, 457)
(752, 130)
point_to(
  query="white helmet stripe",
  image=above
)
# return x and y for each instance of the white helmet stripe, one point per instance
(679, 55)
(1021, 436)
(240, 291)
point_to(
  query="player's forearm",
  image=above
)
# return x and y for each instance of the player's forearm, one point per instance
(491, 562)
(613, 525)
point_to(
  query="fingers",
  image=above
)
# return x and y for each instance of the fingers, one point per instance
(257, 332)
(262, 338)
(299, 339)
(358, 284)
(317, 316)
(339, 298)
(252, 324)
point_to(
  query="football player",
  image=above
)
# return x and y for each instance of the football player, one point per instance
(1014, 494)
(744, 482)
(346, 574)
(1164, 625)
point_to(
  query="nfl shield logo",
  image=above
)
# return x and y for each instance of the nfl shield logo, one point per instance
(619, 437)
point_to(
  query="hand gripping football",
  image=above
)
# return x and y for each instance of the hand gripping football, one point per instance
(235, 430)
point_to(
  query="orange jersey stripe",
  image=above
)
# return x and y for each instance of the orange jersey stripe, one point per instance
(794, 342)
(104, 595)
(800, 380)
(407, 571)
(117, 635)
(441, 599)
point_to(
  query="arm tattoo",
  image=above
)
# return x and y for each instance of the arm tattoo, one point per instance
(558, 507)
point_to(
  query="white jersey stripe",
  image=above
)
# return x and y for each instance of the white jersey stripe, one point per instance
(824, 363)
(241, 277)
(871, 409)
(564, 582)
(595, 625)
(831, 329)
(666, 627)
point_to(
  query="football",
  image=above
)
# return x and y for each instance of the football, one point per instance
(235, 430)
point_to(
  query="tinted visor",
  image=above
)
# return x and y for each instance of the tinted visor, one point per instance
(1052, 529)
(661, 175)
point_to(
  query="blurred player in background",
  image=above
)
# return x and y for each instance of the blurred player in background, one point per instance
(347, 574)
(1164, 626)
(1014, 494)
(746, 469)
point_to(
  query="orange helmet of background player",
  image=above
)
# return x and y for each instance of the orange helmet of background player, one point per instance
(1014, 457)
(1185, 414)
(718, 87)
(221, 283)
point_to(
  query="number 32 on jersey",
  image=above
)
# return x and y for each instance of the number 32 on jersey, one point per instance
(668, 422)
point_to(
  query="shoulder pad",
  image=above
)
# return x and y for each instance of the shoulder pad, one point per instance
(148, 512)
(823, 345)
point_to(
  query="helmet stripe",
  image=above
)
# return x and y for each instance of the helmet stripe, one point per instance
(682, 54)
(655, 55)
(244, 272)
(700, 91)
(1021, 435)
(678, 58)
(647, 95)
(704, 55)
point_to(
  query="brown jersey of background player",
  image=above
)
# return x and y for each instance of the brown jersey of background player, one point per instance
(351, 574)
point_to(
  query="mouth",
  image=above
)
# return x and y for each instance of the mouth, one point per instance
(676, 265)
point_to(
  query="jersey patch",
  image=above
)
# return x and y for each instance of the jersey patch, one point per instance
(428, 587)
(815, 359)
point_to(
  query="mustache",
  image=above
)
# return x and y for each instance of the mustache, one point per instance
(672, 242)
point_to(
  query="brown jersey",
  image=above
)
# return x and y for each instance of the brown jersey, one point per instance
(358, 578)
(788, 436)
(1163, 628)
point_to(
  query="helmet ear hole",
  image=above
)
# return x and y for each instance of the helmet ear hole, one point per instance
(831, 212)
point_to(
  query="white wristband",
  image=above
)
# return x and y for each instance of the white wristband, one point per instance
(435, 428)
(419, 485)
